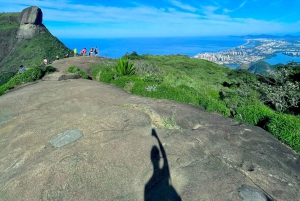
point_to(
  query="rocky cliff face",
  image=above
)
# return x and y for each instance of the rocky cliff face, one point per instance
(30, 23)
(31, 15)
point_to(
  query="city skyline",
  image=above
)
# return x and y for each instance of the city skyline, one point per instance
(140, 18)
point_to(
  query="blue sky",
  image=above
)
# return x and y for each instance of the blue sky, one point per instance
(141, 18)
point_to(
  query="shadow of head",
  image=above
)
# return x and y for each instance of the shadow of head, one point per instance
(155, 157)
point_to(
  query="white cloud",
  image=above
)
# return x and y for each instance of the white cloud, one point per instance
(63, 18)
(225, 10)
(183, 6)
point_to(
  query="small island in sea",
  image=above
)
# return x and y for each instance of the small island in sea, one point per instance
(255, 49)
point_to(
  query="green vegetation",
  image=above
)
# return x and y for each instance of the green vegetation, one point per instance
(5, 77)
(8, 21)
(31, 52)
(29, 75)
(260, 67)
(74, 69)
(238, 94)
(125, 67)
(287, 129)
(280, 89)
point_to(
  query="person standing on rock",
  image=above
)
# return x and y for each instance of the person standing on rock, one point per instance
(75, 52)
(96, 51)
(91, 51)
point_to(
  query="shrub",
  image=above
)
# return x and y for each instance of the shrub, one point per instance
(279, 90)
(29, 75)
(242, 76)
(254, 114)
(152, 78)
(125, 67)
(287, 129)
(213, 105)
(5, 77)
(143, 67)
(47, 70)
(106, 75)
(74, 69)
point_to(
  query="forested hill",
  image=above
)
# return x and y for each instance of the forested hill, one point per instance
(25, 40)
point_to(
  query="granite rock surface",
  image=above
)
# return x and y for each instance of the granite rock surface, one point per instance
(79, 139)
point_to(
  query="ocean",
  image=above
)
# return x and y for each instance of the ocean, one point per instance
(190, 46)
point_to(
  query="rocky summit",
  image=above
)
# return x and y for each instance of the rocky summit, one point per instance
(78, 139)
(30, 23)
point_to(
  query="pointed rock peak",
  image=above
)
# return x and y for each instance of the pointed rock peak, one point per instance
(31, 15)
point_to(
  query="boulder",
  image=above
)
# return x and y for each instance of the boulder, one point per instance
(57, 76)
(31, 23)
(31, 15)
(85, 140)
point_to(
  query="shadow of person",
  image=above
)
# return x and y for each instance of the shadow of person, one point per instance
(159, 187)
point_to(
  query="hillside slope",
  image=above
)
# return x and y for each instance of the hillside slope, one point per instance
(9, 25)
(25, 40)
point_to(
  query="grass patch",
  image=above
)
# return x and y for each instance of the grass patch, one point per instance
(287, 129)
(254, 114)
(76, 70)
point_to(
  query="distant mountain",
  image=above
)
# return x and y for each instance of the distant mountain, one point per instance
(260, 67)
(25, 40)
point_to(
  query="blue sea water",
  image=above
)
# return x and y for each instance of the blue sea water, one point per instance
(281, 58)
(191, 46)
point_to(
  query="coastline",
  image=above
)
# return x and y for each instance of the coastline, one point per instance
(226, 51)
(256, 49)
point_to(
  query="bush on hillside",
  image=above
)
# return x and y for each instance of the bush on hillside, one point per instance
(29, 75)
(76, 70)
(213, 105)
(279, 90)
(47, 70)
(133, 56)
(287, 129)
(257, 114)
(143, 67)
(5, 77)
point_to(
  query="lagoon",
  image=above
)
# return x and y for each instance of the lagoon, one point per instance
(281, 58)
